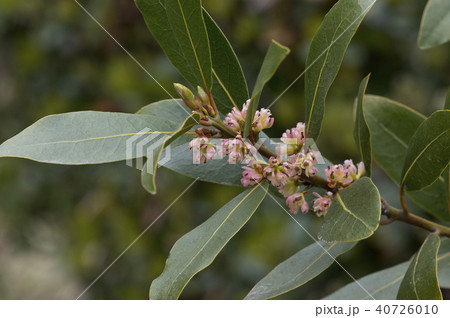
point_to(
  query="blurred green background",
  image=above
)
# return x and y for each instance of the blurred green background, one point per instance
(61, 226)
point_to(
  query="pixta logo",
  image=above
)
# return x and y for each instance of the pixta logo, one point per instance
(147, 144)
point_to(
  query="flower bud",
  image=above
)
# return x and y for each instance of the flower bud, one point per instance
(262, 120)
(210, 111)
(204, 98)
(322, 203)
(188, 97)
(184, 92)
(297, 201)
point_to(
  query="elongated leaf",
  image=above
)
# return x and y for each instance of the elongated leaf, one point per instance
(326, 54)
(385, 284)
(179, 29)
(380, 285)
(148, 174)
(170, 109)
(298, 269)
(186, 19)
(87, 138)
(275, 55)
(229, 85)
(420, 281)
(391, 126)
(435, 26)
(198, 248)
(354, 213)
(361, 131)
(428, 152)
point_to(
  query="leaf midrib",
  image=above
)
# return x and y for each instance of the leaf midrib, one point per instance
(102, 138)
(192, 46)
(325, 251)
(351, 213)
(420, 155)
(401, 277)
(224, 88)
(320, 75)
(206, 243)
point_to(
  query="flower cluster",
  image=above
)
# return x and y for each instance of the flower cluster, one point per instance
(203, 150)
(341, 176)
(293, 139)
(289, 175)
(322, 203)
(236, 119)
(290, 171)
(236, 149)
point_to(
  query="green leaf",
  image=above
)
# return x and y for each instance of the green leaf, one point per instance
(275, 55)
(198, 248)
(354, 213)
(326, 54)
(420, 281)
(86, 137)
(173, 110)
(170, 109)
(361, 131)
(229, 85)
(444, 263)
(385, 284)
(391, 127)
(435, 26)
(428, 152)
(179, 28)
(298, 269)
(148, 173)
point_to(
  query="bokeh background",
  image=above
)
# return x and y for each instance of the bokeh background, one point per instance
(61, 226)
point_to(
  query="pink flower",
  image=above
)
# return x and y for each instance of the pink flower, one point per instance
(337, 176)
(203, 150)
(343, 175)
(198, 143)
(294, 138)
(297, 201)
(253, 173)
(322, 203)
(289, 188)
(308, 164)
(236, 149)
(236, 118)
(301, 163)
(276, 173)
(361, 170)
(262, 120)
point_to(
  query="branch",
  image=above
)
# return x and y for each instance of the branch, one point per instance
(398, 215)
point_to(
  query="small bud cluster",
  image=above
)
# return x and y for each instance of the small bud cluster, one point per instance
(236, 149)
(200, 104)
(341, 176)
